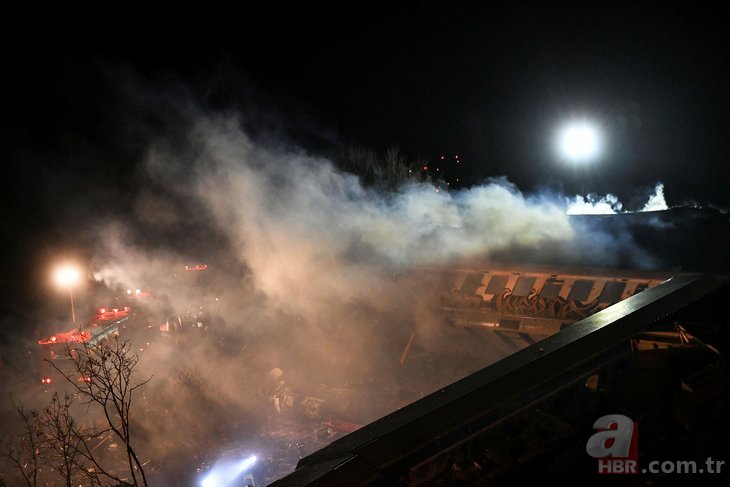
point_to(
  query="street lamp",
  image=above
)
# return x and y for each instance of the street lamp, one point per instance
(579, 142)
(66, 276)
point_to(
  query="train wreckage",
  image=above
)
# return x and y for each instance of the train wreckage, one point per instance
(661, 343)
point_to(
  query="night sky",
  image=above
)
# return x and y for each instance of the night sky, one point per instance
(84, 100)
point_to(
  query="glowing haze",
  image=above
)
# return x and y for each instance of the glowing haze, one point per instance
(310, 273)
(295, 217)
(312, 277)
(305, 229)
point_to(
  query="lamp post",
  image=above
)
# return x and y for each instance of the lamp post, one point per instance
(66, 276)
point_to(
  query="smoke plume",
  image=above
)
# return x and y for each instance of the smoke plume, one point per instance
(610, 205)
(310, 274)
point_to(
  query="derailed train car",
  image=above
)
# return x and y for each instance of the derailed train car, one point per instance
(534, 301)
(658, 358)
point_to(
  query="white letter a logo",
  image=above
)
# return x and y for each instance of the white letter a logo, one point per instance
(616, 427)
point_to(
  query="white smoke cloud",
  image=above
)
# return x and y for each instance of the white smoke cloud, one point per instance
(609, 204)
(317, 274)
(593, 205)
(312, 271)
(311, 236)
(656, 200)
(301, 225)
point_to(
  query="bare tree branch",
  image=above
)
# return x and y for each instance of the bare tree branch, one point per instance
(103, 374)
(22, 452)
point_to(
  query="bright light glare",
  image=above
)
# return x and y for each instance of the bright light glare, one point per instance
(246, 463)
(225, 473)
(66, 276)
(579, 142)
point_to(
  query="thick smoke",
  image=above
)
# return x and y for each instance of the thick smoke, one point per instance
(296, 219)
(309, 233)
(609, 204)
(309, 272)
(312, 273)
(294, 242)
(656, 201)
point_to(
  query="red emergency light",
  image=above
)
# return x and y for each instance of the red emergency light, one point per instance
(199, 267)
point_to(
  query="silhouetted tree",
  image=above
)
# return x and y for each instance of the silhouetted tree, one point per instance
(21, 452)
(388, 172)
(103, 375)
